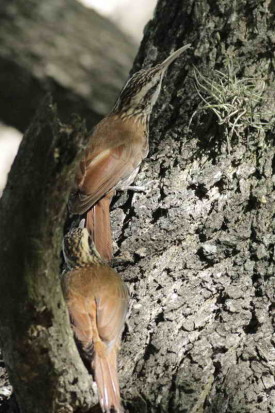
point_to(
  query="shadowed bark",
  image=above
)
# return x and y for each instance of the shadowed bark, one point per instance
(61, 46)
(39, 351)
(198, 244)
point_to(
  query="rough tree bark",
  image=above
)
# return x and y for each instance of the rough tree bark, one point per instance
(200, 240)
(198, 244)
(43, 363)
(61, 46)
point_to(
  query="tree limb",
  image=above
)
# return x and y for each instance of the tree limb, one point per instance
(61, 46)
(39, 351)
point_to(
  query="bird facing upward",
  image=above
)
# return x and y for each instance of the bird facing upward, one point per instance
(116, 148)
(97, 301)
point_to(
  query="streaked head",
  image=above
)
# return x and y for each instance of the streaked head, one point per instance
(78, 248)
(141, 91)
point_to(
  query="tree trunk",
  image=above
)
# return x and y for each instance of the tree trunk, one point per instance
(199, 241)
(198, 245)
(62, 47)
(42, 360)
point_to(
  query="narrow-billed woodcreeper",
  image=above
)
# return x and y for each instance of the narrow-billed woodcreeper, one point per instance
(97, 300)
(116, 148)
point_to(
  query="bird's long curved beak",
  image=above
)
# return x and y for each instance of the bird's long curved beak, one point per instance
(173, 57)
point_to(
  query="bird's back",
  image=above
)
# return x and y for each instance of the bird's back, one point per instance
(93, 280)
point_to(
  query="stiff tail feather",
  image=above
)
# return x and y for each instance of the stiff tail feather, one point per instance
(99, 226)
(105, 369)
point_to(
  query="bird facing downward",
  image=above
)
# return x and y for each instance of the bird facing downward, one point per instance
(116, 148)
(97, 301)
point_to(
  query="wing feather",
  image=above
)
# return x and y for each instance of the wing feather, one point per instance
(102, 174)
(111, 313)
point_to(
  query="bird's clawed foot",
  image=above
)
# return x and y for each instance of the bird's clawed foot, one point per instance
(137, 188)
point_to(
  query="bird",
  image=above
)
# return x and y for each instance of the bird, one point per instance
(115, 151)
(97, 300)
